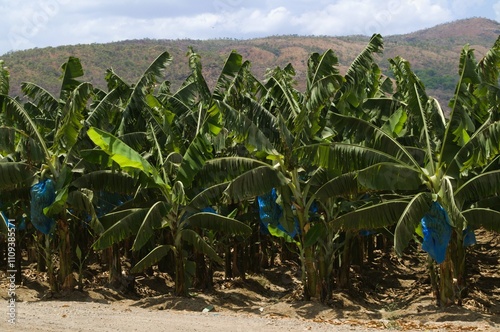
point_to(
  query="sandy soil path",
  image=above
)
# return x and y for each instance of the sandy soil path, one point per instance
(91, 316)
(122, 316)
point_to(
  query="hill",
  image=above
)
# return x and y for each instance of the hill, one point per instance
(433, 53)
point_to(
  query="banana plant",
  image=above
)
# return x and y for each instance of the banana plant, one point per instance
(17, 174)
(450, 162)
(172, 208)
(277, 123)
(46, 131)
(182, 126)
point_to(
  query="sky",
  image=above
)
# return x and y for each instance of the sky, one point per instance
(40, 23)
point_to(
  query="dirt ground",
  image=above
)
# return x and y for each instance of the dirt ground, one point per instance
(389, 294)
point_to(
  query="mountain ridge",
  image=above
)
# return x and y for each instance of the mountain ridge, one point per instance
(433, 52)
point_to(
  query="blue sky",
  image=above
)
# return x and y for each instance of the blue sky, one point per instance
(40, 23)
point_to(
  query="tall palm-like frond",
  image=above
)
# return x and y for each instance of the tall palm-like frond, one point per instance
(362, 79)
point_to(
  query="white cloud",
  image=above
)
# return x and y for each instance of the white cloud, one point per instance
(255, 21)
(40, 23)
(496, 8)
(461, 7)
(367, 17)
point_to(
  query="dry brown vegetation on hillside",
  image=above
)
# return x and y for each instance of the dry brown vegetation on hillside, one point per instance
(433, 53)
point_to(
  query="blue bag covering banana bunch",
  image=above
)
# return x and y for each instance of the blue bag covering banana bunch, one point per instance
(43, 194)
(436, 231)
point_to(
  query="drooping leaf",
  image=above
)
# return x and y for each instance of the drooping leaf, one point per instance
(479, 187)
(216, 222)
(209, 196)
(119, 226)
(388, 176)
(323, 80)
(344, 185)
(372, 217)
(486, 218)
(343, 157)
(24, 121)
(15, 174)
(152, 221)
(369, 135)
(200, 244)
(44, 101)
(137, 110)
(254, 182)
(108, 180)
(153, 257)
(361, 78)
(426, 121)
(107, 110)
(225, 169)
(164, 119)
(409, 219)
(488, 66)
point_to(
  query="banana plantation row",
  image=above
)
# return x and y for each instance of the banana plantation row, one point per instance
(203, 178)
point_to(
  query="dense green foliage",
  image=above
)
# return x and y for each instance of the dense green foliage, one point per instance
(170, 176)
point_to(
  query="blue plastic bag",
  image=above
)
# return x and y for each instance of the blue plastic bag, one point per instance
(107, 201)
(209, 209)
(43, 194)
(437, 232)
(469, 237)
(270, 213)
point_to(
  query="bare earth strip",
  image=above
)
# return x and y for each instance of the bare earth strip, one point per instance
(85, 316)
(124, 316)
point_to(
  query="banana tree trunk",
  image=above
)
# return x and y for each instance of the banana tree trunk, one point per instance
(180, 274)
(254, 257)
(65, 257)
(446, 291)
(202, 279)
(115, 269)
(370, 248)
(228, 271)
(41, 259)
(345, 263)
(358, 250)
(53, 284)
(459, 268)
(324, 277)
(434, 278)
(235, 255)
(452, 281)
(312, 275)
